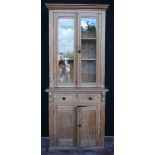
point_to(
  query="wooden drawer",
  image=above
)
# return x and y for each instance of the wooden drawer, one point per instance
(89, 97)
(77, 98)
(61, 98)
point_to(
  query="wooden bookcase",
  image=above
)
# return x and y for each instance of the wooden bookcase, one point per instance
(77, 73)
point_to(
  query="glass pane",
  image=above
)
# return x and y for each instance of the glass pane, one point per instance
(65, 50)
(88, 50)
(88, 71)
(88, 27)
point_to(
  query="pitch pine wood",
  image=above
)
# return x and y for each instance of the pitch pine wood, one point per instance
(66, 129)
(76, 6)
(77, 110)
(88, 126)
(100, 48)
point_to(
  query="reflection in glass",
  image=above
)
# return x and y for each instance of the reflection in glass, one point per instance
(65, 50)
(88, 27)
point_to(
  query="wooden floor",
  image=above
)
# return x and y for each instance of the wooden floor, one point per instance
(108, 150)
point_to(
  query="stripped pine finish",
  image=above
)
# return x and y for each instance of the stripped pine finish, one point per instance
(77, 92)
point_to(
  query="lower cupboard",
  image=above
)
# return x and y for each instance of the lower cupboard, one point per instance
(73, 126)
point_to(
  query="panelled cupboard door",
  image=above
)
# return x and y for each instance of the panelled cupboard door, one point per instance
(87, 126)
(65, 126)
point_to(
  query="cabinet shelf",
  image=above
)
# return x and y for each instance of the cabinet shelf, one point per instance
(88, 59)
(88, 38)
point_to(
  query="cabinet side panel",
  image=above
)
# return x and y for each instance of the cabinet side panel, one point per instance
(103, 49)
(51, 48)
(51, 134)
(102, 125)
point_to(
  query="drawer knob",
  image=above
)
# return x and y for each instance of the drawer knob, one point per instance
(79, 125)
(90, 98)
(63, 98)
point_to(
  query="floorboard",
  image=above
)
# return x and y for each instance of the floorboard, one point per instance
(108, 149)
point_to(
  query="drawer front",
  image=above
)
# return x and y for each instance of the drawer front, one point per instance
(89, 97)
(64, 98)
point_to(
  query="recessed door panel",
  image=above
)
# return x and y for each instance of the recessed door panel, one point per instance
(66, 128)
(87, 126)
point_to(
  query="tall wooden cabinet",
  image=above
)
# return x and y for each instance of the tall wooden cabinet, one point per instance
(76, 76)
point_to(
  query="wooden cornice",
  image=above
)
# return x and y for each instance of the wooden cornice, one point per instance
(61, 6)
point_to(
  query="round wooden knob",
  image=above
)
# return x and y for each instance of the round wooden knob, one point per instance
(79, 125)
(90, 98)
(64, 98)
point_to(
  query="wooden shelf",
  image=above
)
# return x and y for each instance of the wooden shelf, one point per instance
(88, 59)
(88, 38)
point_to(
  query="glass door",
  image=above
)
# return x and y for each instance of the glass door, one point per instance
(76, 49)
(65, 49)
(88, 45)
